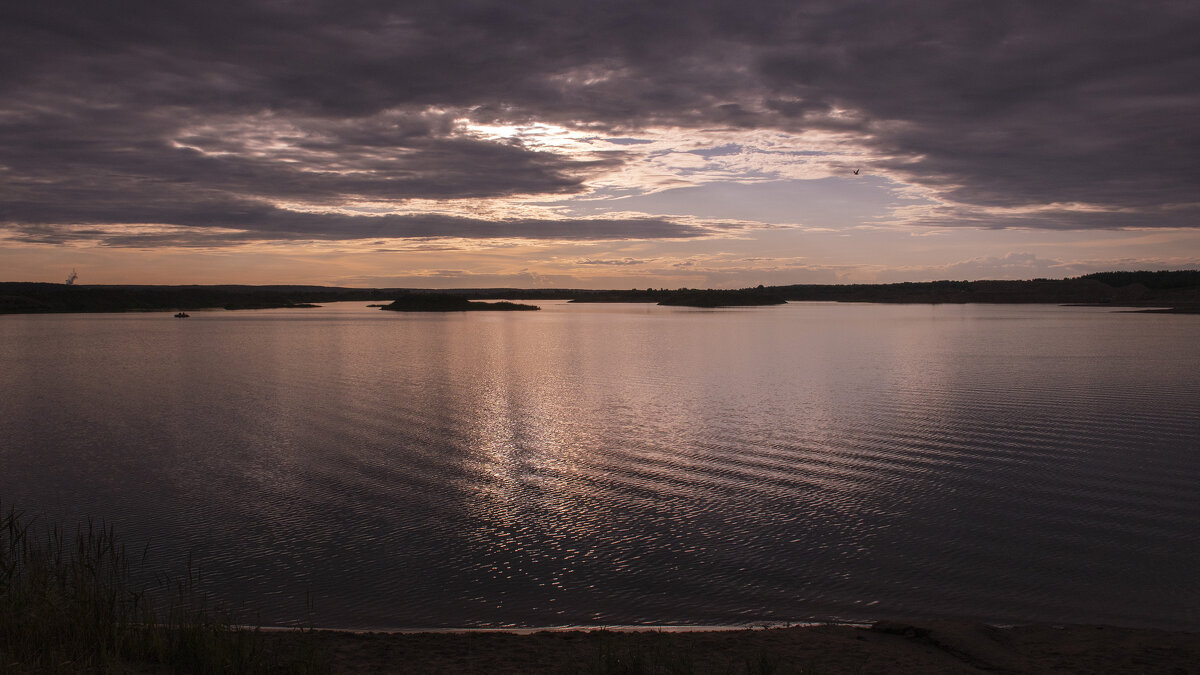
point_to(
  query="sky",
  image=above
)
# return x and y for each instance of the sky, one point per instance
(597, 144)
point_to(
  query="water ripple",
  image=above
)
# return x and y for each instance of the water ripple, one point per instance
(610, 465)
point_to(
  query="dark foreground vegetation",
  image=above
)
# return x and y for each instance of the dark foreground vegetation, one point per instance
(67, 605)
(1178, 291)
(439, 302)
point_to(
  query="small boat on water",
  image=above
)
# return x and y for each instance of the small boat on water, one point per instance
(181, 315)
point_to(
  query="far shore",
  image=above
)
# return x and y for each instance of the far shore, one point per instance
(882, 647)
(1178, 290)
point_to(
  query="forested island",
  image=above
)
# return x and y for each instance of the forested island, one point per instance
(439, 302)
(1177, 291)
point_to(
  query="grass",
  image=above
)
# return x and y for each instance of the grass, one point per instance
(67, 605)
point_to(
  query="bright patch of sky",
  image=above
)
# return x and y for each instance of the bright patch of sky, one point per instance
(766, 177)
(836, 203)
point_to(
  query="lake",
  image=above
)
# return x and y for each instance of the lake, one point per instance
(628, 464)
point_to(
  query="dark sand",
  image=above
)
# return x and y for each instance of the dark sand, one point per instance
(886, 647)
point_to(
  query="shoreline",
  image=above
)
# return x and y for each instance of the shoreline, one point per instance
(1178, 289)
(580, 628)
(941, 646)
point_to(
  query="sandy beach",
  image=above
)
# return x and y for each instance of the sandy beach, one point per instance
(885, 647)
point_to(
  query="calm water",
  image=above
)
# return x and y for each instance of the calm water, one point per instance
(628, 464)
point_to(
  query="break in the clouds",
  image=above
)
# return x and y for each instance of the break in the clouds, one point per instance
(185, 123)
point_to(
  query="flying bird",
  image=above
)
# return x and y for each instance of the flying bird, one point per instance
(856, 172)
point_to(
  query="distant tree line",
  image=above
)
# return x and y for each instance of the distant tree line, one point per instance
(445, 302)
(1179, 290)
(1151, 280)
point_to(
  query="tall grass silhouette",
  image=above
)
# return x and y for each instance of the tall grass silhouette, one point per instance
(68, 605)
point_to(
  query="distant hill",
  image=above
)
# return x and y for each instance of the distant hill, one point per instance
(1178, 290)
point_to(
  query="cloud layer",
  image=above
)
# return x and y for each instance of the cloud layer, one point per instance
(256, 119)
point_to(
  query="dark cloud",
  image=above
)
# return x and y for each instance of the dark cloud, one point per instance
(202, 114)
(217, 225)
(1019, 103)
(100, 157)
(610, 261)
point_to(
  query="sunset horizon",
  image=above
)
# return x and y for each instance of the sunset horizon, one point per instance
(607, 336)
(610, 145)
